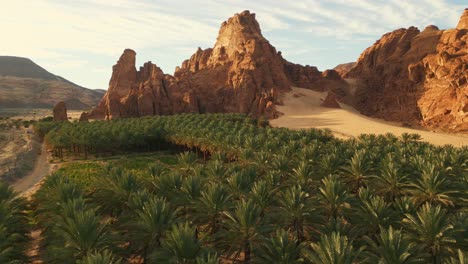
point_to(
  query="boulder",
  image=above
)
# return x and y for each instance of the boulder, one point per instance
(330, 101)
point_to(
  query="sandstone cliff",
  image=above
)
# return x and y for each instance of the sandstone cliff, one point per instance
(417, 76)
(242, 73)
(343, 69)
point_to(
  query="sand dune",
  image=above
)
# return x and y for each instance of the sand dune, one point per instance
(302, 109)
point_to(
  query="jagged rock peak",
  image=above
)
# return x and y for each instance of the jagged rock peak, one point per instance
(463, 23)
(237, 34)
(244, 20)
(127, 57)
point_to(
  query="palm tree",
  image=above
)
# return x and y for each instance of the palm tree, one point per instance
(261, 161)
(461, 258)
(333, 197)
(391, 247)
(241, 181)
(460, 229)
(157, 169)
(168, 185)
(373, 213)
(243, 226)
(303, 175)
(190, 191)
(114, 191)
(279, 249)
(210, 206)
(150, 223)
(357, 172)
(333, 249)
(104, 257)
(294, 209)
(391, 183)
(431, 232)
(329, 164)
(210, 258)
(186, 161)
(262, 194)
(281, 163)
(405, 205)
(432, 187)
(83, 233)
(13, 226)
(407, 138)
(215, 170)
(180, 246)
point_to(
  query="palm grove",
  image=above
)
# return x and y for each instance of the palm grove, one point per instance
(242, 191)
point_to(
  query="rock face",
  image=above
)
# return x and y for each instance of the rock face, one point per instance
(417, 76)
(303, 76)
(242, 73)
(60, 112)
(343, 69)
(463, 23)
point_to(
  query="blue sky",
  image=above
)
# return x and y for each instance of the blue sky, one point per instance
(81, 39)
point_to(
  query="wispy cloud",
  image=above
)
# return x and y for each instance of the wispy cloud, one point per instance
(79, 39)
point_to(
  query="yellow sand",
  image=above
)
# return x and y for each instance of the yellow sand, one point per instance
(302, 109)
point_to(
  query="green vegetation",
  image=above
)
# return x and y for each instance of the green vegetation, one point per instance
(86, 172)
(13, 226)
(242, 191)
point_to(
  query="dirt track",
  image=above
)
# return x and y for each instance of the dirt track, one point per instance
(302, 109)
(41, 169)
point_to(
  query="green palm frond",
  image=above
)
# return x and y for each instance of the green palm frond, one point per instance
(333, 249)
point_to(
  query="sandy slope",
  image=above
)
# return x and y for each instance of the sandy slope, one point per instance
(302, 109)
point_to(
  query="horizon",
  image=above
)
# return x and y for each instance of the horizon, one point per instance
(323, 35)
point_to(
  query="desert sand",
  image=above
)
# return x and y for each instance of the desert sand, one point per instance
(301, 109)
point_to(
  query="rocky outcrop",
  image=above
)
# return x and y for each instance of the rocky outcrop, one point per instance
(242, 73)
(60, 112)
(343, 69)
(417, 76)
(303, 76)
(463, 22)
(330, 101)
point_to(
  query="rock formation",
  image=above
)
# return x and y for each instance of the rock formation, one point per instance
(60, 112)
(242, 73)
(463, 22)
(417, 76)
(330, 101)
(343, 69)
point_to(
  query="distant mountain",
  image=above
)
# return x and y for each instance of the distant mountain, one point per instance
(23, 83)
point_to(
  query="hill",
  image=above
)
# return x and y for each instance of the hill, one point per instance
(23, 83)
